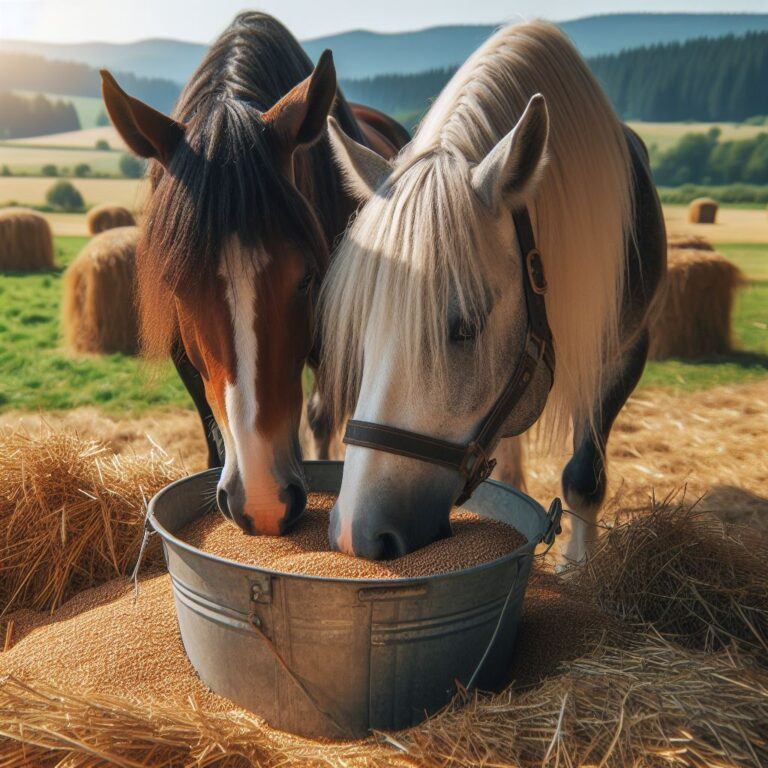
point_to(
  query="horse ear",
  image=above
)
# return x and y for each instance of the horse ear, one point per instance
(146, 131)
(300, 116)
(364, 170)
(513, 167)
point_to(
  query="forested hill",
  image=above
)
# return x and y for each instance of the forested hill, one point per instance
(32, 73)
(706, 80)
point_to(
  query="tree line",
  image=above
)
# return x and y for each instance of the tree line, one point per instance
(22, 116)
(720, 79)
(701, 158)
(33, 73)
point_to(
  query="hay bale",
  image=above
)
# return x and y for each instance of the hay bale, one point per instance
(693, 314)
(681, 571)
(99, 314)
(71, 514)
(680, 240)
(106, 216)
(26, 244)
(702, 210)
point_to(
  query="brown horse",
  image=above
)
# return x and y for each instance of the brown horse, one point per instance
(245, 203)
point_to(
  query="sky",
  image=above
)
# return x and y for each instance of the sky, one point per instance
(201, 20)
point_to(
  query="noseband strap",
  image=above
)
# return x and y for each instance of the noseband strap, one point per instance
(473, 460)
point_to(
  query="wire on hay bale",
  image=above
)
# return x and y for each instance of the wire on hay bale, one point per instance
(71, 514)
(694, 580)
(108, 216)
(26, 244)
(702, 210)
(693, 314)
(99, 313)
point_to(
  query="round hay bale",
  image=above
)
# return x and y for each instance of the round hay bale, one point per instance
(26, 244)
(693, 315)
(690, 242)
(104, 217)
(99, 314)
(703, 210)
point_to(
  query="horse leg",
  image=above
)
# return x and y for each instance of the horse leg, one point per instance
(193, 383)
(584, 477)
(319, 425)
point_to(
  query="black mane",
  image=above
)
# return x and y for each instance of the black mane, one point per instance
(224, 179)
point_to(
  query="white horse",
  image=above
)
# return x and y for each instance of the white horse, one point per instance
(424, 312)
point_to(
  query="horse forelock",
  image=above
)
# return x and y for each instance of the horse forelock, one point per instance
(425, 220)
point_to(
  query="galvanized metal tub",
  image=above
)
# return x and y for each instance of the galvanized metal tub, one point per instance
(335, 658)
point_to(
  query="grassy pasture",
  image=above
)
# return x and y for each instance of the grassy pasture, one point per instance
(666, 135)
(85, 138)
(36, 373)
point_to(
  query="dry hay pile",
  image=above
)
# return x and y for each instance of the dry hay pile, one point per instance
(108, 216)
(681, 240)
(71, 514)
(99, 315)
(26, 243)
(693, 315)
(702, 210)
(632, 697)
(689, 576)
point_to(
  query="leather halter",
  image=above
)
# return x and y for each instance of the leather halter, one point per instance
(473, 460)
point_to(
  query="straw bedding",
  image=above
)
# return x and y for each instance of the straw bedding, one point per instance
(306, 549)
(99, 314)
(71, 514)
(694, 312)
(26, 243)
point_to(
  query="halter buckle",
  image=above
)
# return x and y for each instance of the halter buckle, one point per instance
(536, 276)
(477, 468)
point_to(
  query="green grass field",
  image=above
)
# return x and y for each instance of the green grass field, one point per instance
(29, 161)
(36, 373)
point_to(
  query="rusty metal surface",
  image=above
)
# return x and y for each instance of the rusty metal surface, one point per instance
(335, 658)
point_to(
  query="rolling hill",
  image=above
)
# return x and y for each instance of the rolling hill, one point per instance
(362, 53)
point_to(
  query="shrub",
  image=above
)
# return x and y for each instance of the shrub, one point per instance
(64, 196)
(131, 167)
(102, 144)
(82, 170)
(50, 170)
(6, 171)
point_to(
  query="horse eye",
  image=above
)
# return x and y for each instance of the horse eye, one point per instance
(464, 329)
(306, 281)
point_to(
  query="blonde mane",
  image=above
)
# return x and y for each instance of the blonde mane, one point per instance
(419, 243)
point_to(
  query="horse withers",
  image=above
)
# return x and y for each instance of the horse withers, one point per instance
(501, 269)
(245, 200)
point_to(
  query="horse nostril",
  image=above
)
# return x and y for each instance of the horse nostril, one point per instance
(223, 503)
(392, 545)
(297, 501)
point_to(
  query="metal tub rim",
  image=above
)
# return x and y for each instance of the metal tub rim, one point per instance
(524, 549)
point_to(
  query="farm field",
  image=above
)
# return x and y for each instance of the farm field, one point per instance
(32, 190)
(23, 159)
(86, 137)
(36, 373)
(665, 135)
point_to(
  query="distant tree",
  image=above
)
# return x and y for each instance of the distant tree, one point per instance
(38, 115)
(131, 167)
(64, 196)
(49, 170)
(6, 171)
(102, 144)
(82, 170)
(102, 118)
